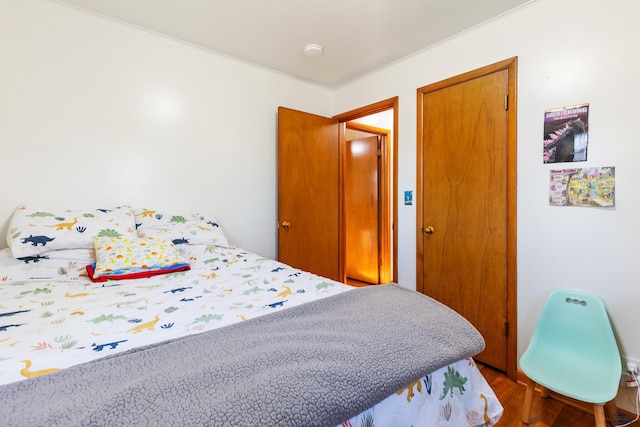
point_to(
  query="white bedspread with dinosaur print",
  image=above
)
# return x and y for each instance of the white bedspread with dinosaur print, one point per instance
(53, 317)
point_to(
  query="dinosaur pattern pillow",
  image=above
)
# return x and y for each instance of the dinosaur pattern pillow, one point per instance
(120, 255)
(35, 231)
(192, 228)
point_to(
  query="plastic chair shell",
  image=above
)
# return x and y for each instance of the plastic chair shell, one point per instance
(573, 350)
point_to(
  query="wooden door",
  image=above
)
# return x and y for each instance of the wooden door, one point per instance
(466, 239)
(362, 208)
(308, 192)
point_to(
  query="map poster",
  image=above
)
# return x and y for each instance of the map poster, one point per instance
(566, 134)
(583, 187)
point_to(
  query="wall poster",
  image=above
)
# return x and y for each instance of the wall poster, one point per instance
(583, 187)
(566, 134)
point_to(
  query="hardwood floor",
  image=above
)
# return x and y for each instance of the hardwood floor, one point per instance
(545, 413)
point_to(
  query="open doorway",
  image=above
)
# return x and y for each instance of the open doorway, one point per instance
(311, 193)
(369, 193)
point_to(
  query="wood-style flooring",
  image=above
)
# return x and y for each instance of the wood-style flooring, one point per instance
(545, 413)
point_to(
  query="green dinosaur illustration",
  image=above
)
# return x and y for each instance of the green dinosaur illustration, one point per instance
(178, 219)
(108, 232)
(176, 274)
(105, 318)
(126, 303)
(453, 380)
(253, 290)
(206, 318)
(37, 291)
(323, 285)
(40, 214)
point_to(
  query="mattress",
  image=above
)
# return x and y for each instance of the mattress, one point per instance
(53, 318)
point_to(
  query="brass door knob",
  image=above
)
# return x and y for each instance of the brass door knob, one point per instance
(286, 224)
(429, 229)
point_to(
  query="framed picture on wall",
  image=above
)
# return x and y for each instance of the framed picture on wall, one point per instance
(566, 134)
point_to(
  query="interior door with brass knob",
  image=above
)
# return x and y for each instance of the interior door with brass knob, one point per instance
(464, 200)
(308, 192)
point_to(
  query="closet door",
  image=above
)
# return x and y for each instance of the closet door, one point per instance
(466, 215)
(308, 192)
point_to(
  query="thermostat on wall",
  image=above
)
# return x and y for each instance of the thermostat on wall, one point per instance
(408, 197)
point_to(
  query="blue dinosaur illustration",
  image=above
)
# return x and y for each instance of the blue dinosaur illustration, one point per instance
(112, 345)
(213, 224)
(181, 241)
(276, 304)
(5, 327)
(38, 240)
(275, 270)
(28, 259)
(173, 291)
(13, 313)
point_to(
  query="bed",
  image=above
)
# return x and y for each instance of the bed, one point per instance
(126, 316)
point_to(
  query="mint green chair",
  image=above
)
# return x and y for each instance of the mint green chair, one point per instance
(573, 352)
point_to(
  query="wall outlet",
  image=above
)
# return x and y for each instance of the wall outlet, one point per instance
(627, 379)
(630, 362)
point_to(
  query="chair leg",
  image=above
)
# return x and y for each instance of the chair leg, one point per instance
(598, 412)
(612, 410)
(528, 401)
(544, 392)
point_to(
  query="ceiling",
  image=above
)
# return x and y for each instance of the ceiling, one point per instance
(357, 36)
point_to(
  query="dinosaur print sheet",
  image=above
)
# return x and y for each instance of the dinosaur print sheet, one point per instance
(53, 317)
(456, 395)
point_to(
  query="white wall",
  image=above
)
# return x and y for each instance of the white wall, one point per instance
(94, 113)
(569, 52)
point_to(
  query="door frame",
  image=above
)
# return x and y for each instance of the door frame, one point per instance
(510, 65)
(388, 104)
(384, 219)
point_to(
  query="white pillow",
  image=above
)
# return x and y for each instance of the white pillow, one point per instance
(192, 228)
(35, 231)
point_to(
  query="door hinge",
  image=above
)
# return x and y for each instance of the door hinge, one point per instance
(506, 328)
(506, 101)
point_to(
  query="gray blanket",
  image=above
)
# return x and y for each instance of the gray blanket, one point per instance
(316, 364)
